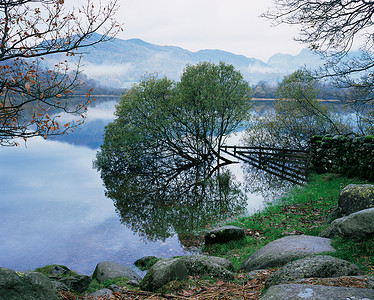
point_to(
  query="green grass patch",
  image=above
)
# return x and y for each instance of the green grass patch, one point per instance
(359, 253)
(303, 210)
(120, 281)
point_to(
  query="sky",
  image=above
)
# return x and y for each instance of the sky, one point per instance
(230, 25)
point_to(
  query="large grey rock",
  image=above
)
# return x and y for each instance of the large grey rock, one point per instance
(179, 268)
(357, 226)
(162, 272)
(224, 234)
(319, 266)
(316, 292)
(110, 270)
(286, 249)
(355, 197)
(26, 286)
(365, 281)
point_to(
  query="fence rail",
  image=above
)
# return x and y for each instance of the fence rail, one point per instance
(289, 164)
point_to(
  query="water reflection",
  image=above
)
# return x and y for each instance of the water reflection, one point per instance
(269, 186)
(53, 208)
(158, 213)
(53, 211)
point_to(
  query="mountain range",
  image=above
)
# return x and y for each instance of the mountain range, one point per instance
(120, 63)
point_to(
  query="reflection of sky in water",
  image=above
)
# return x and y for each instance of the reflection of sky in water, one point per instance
(53, 209)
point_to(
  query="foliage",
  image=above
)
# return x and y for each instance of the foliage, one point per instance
(29, 31)
(163, 129)
(332, 28)
(296, 116)
(327, 25)
(263, 90)
(301, 211)
(159, 156)
(120, 281)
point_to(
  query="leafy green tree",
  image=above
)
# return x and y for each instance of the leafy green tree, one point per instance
(296, 116)
(168, 133)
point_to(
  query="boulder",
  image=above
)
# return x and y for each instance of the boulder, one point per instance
(286, 249)
(145, 262)
(110, 270)
(162, 272)
(179, 268)
(355, 197)
(365, 281)
(223, 235)
(31, 286)
(78, 283)
(313, 292)
(357, 226)
(319, 266)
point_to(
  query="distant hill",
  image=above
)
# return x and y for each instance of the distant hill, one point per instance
(119, 63)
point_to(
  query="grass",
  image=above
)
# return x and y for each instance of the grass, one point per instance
(303, 210)
(46, 270)
(120, 281)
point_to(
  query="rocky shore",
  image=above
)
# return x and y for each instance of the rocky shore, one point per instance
(298, 266)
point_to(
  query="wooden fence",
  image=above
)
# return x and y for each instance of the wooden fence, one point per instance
(289, 164)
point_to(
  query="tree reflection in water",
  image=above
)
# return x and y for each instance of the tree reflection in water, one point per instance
(269, 186)
(157, 210)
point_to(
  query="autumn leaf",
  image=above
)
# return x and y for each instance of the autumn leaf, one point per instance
(27, 86)
(220, 282)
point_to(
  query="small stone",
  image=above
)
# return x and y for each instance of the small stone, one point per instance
(224, 234)
(115, 288)
(101, 294)
(59, 270)
(133, 283)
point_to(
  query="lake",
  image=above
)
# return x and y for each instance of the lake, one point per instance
(53, 208)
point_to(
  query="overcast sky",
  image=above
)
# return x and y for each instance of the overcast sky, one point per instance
(230, 25)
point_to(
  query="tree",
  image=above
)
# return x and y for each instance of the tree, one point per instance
(331, 28)
(29, 31)
(296, 116)
(169, 134)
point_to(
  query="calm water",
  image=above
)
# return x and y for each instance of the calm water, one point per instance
(53, 209)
